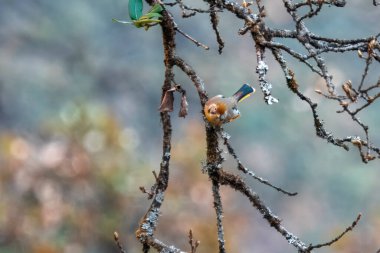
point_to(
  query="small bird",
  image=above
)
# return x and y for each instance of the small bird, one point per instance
(219, 109)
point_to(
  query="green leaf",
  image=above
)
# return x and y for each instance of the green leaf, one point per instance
(121, 21)
(150, 16)
(157, 8)
(139, 23)
(135, 9)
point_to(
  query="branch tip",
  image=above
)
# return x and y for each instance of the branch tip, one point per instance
(116, 238)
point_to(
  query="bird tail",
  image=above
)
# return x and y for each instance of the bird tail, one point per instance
(244, 92)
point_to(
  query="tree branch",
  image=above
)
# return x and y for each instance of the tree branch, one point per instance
(264, 41)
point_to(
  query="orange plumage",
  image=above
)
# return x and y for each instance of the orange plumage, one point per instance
(219, 110)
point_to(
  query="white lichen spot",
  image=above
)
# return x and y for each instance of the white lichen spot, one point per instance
(271, 100)
(262, 68)
(160, 197)
(294, 240)
(204, 167)
(251, 173)
(254, 16)
(290, 238)
(291, 241)
(145, 226)
(170, 249)
(150, 221)
(153, 215)
(265, 86)
(225, 135)
(167, 155)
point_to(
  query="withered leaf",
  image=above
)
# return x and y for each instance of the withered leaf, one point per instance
(167, 101)
(184, 107)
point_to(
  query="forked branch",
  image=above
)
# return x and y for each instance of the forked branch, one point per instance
(265, 40)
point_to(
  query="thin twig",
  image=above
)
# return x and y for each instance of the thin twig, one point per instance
(193, 242)
(293, 86)
(116, 238)
(191, 39)
(219, 215)
(365, 73)
(214, 21)
(350, 228)
(238, 184)
(245, 170)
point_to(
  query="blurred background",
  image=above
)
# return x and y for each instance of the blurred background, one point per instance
(80, 133)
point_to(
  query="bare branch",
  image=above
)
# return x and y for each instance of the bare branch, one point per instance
(148, 224)
(242, 168)
(350, 228)
(193, 243)
(293, 86)
(238, 184)
(116, 238)
(184, 7)
(352, 99)
(214, 21)
(219, 215)
(197, 43)
(197, 81)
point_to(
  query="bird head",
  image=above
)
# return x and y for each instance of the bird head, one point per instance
(215, 111)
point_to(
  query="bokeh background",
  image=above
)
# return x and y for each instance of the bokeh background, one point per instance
(80, 133)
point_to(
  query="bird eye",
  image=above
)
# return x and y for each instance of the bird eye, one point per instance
(212, 109)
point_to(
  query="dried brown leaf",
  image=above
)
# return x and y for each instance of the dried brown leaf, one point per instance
(184, 107)
(167, 101)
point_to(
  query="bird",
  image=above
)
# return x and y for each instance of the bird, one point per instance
(219, 110)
